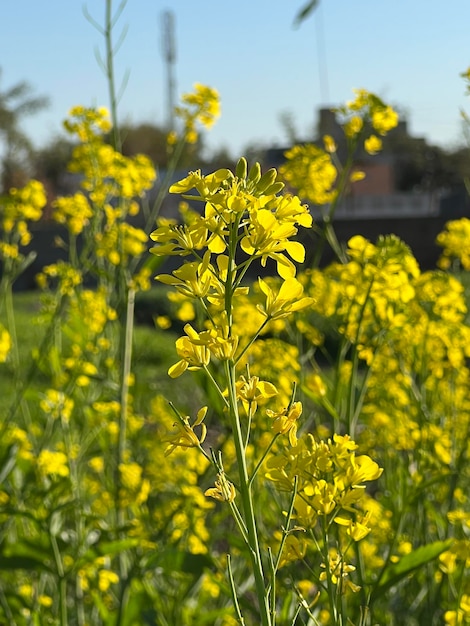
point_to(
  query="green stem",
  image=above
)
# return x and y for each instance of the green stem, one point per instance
(331, 587)
(233, 591)
(329, 234)
(253, 339)
(116, 139)
(78, 510)
(247, 500)
(252, 541)
(26, 380)
(6, 608)
(275, 566)
(260, 462)
(216, 386)
(11, 327)
(62, 581)
(124, 398)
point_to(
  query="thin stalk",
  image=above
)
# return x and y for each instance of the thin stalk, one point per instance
(78, 511)
(216, 386)
(260, 462)
(163, 190)
(330, 586)
(125, 376)
(11, 326)
(26, 380)
(6, 608)
(62, 582)
(328, 233)
(234, 592)
(108, 30)
(247, 500)
(253, 339)
(244, 481)
(275, 566)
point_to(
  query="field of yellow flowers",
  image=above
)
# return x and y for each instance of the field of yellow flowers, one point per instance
(310, 463)
(314, 470)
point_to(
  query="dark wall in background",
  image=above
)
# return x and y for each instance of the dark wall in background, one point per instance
(419, 233)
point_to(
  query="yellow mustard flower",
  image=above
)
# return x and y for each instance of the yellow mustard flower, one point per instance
(224, 490)
(52, 463)
(373, 144)
(184, 435)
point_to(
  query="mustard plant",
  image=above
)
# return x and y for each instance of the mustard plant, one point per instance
(246, 219)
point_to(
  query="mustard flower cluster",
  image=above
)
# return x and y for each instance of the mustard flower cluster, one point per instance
(106, 173)
(400, 384)
(242, 212)
(330, 480)
(18, 208)
(367, 108)
(454, 242)
(239, 209)
(316, 173)
(330, 487)
(200, 106)
(74, 211)
(60, 276)
(112, 187)
(311, 171)
(5, 343)
(88, 123)
(369, 293)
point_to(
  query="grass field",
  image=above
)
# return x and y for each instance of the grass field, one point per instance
(153, 350)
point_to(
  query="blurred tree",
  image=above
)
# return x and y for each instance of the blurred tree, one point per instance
(16, 148)
(420, 166)
(221, 157)
(145, 139)
(49, 165)
(287, 120)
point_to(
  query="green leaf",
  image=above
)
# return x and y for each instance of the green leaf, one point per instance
(22, 562)
(305, 12)
(8, 464)
(139, 610)
(173, 560)
(109, 548)
(26, 262)
(409, 563)
(101, 606)
(153, 262)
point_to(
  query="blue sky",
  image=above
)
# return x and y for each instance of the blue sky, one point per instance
(410, 52)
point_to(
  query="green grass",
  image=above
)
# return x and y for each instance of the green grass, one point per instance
(29, 335)
(153, 353)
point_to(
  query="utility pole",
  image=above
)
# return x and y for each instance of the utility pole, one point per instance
(169, 57)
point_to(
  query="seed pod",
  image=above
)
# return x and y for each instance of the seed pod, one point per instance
(241, 169)
(255, 174)
(266, 180)
(273, 189)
